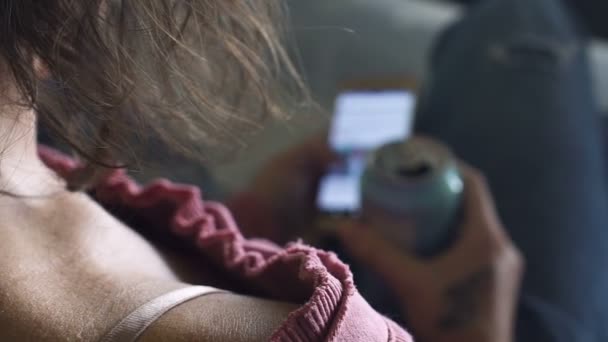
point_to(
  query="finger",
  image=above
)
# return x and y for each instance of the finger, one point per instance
(401, 271)
(481, 236)
(479, 208)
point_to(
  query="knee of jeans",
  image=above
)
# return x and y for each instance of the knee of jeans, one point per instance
(534, 52)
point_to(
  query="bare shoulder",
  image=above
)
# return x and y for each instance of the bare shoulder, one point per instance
(75, 274)
(220, 317)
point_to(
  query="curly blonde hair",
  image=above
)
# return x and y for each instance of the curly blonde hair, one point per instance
(192, 72)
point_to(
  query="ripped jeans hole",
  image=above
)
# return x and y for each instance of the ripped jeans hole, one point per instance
(533, 52)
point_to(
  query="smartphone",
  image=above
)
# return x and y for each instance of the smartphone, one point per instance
(364, 119)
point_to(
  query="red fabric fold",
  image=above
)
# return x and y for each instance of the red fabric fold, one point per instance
(332, 310)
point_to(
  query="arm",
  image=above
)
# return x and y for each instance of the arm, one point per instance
(233, 318)
(220, 317)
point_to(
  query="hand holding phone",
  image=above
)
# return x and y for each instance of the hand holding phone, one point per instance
(364, 120)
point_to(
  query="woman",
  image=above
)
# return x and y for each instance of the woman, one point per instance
(86, 254)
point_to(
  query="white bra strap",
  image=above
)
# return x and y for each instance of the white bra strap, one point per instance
(132, 326)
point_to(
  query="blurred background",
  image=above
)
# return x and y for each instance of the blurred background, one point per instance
(341, 40)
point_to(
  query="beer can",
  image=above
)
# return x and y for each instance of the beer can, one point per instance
(412, 193)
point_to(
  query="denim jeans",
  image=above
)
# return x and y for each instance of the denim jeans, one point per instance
(510, 92)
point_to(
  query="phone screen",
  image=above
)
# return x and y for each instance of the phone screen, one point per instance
(363, 121)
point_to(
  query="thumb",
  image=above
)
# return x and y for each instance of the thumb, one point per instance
(401, 270)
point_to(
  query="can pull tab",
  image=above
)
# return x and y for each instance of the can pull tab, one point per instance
(415, 162)
(414, 170)
(408, 160)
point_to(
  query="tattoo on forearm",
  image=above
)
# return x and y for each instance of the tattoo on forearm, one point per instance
(464, 300)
